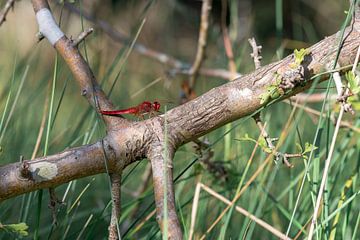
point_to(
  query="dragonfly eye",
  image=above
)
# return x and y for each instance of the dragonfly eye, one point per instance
(156, 106)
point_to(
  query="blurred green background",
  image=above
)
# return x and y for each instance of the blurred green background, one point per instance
(28, 82)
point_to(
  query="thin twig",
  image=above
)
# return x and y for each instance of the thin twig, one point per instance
(255, 53)
(312, 98)
(227, 41)
(82, 36)
(194, 209)
(254, 176)
(203, 32)
(256, 50)
(241, 210)
(9, 4)
(43, 121)
(312, 111)
(178, 66)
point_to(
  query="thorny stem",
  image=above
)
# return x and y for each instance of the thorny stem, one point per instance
(255, 53)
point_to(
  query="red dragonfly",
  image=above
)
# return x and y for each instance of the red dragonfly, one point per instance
(143, 108)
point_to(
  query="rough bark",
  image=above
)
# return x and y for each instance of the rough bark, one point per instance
(127, 141)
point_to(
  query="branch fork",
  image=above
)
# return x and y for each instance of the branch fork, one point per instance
(127, 142)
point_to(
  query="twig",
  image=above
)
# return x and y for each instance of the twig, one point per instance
(52, 204)
(194, 210)
(73, 58)
(255, 53)
(82, 36)
(178, 66)
(200, 53)
(269, 141)
(227, 41)
(313, 98)
(43, 121)
(9, 4)
(241, 210)
(254, 176)
(344, 124)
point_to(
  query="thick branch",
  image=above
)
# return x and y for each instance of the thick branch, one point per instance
(77, 64)
(52, 171)
(114, 231)
(160, 154)
(186, 122)
(242, 97)
(161, 163)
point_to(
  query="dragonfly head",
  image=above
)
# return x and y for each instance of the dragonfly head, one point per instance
(156, 106)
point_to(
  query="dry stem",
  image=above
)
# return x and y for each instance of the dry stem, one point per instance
(9, 4)
(200, 53)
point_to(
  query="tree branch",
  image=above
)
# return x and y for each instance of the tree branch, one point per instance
(114, 231)
(72, 57)
(189, 121)
(127, 142)
(242, 97)
(200, 53)
(161, 163)
(51, 171)
(9, 4)
(179, 67)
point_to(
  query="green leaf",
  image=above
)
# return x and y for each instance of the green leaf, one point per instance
(353, 81)
(264, 146)
(308, 148)
(300, 55)
(246, 138)
(17, 228)
(355, 102)
(264, 97)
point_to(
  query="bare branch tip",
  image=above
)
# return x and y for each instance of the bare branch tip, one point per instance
(82, 36)
(9, 5)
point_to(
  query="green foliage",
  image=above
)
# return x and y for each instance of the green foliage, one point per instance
(308, 148)
(353, 81)
(299, 56)
(19, 229)
(262, 142)
(272, 92)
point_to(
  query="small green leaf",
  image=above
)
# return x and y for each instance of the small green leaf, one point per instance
(309, 147)
(264, 146)
(355, 102)
(17, 228)
(300, 55)
(264, 97)
(246, 138)
(353, 81)
(278, 80)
